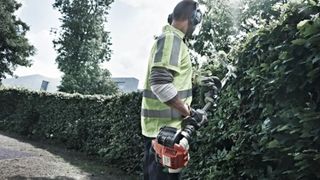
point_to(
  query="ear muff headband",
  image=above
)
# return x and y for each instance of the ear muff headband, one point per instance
(195, 18)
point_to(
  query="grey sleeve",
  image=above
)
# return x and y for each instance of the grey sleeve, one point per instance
(161, 76)
(161, 84)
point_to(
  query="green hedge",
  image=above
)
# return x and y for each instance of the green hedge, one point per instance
(267, 125)
(98, 125)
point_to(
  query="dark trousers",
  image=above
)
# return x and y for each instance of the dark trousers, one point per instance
(153, 170)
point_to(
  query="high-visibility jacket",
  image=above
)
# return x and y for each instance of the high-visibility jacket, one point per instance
(169, 51)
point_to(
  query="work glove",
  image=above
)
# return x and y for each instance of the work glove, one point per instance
(212, 85)
(197, 119)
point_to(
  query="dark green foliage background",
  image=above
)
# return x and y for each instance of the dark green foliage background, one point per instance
(267, 124)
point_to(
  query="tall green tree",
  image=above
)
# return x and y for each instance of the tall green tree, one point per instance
(217, 29)
(226, 23)
(14, 46)
(258, 13)
(217, 33)
(83, 45)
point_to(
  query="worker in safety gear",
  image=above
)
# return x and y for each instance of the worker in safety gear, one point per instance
(167, 91)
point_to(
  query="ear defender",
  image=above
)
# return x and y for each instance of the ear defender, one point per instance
(170, 18)
(196, 16)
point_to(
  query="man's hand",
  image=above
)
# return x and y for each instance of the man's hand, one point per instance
(212, 82)
(197, 118)
(211, 86)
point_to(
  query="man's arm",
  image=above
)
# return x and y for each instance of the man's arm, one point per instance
(177, 104)
(161, 85)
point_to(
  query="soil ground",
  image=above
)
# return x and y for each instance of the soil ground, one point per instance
(23, 159)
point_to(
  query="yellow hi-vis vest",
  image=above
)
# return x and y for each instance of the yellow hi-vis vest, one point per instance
(169, 51)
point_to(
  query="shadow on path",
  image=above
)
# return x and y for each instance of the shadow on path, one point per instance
(92, 167)
(39, 178)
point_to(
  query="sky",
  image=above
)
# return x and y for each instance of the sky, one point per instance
(132, 23)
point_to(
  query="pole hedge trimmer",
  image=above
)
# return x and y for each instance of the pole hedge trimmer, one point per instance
(171, 145)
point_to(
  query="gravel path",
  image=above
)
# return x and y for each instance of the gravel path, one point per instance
(24, 160)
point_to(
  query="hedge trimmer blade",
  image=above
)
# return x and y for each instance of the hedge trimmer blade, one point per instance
(231, 69)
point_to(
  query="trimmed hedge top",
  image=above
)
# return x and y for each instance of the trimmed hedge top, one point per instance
(106, 126)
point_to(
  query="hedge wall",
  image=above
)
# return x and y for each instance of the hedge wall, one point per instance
(98, 125)
(267, 125)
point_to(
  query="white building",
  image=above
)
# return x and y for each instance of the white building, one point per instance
(34, 82)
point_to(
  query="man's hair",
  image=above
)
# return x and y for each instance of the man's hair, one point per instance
(183, 10)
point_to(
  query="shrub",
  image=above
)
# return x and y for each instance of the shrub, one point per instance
(108, 127)
(267, 125)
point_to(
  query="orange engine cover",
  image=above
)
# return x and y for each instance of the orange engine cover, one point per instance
(172, 157)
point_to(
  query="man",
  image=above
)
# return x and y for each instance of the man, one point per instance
(168, 86)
